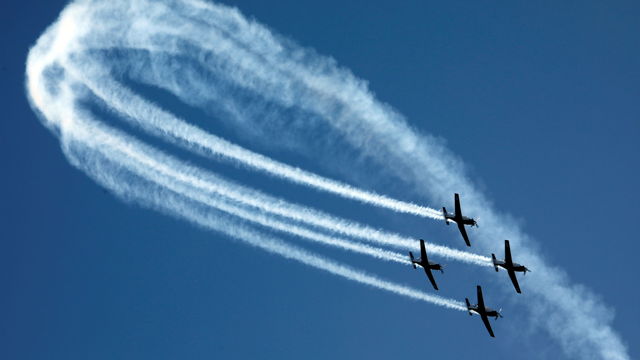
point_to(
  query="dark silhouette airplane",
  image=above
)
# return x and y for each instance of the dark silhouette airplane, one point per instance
(427, 265)
(509, 265)
(483, 311)
(460, 220)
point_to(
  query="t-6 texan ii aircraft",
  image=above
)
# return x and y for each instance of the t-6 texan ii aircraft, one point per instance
(460, 220)
(427, 265)
(509, 265)
(483, 311)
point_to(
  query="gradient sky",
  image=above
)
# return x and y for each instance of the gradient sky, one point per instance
(540, 100)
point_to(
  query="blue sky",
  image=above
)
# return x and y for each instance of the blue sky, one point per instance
(538, 100)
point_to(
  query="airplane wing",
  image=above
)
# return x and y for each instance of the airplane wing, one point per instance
(485, 320)
(430, 276)
(484, 317)
(507, 253)
(427, 270)
(514, 280)
(423, 252)
(463, 231)
(480, 299)
(458, 209)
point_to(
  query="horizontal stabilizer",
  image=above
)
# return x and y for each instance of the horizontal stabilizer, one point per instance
(411, 257)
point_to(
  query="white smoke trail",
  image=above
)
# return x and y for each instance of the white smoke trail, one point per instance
(133, 105)
(289, 74)
(66, 52)
(164, 124)
(247, 56)
(279, 247)
(110, 159)
(175, 205)
(170, 174)
(176, 177)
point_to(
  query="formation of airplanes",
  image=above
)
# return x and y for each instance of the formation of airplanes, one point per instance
(507, 264)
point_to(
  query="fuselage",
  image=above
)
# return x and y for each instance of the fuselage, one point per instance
(431, 265)
(461, 219)
(487, 311)
(468, 221)
(516, 267)
(519, 268)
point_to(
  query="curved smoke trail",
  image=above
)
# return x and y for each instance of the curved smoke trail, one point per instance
(120, 162)
(124, 100)
(72, 52)
(266, 85)
(99, 151)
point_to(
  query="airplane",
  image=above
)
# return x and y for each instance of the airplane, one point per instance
(483, 311)
(460, 220)
(509, 265)
(427, 265)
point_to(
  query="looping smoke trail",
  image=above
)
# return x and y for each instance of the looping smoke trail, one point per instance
(167, 126)
(68, 53)
(261, 86)
(179, 206)
(174, 176)
(94, 148)
(124, 100)
(120, 162)
(146, 37)
(171, 128)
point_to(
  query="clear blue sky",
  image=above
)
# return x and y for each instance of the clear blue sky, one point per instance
(541, 100)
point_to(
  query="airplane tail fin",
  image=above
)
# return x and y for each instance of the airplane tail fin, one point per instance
(493, 259)
(445, 213)
(468, 306)
(411, 257)
(499, 315)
